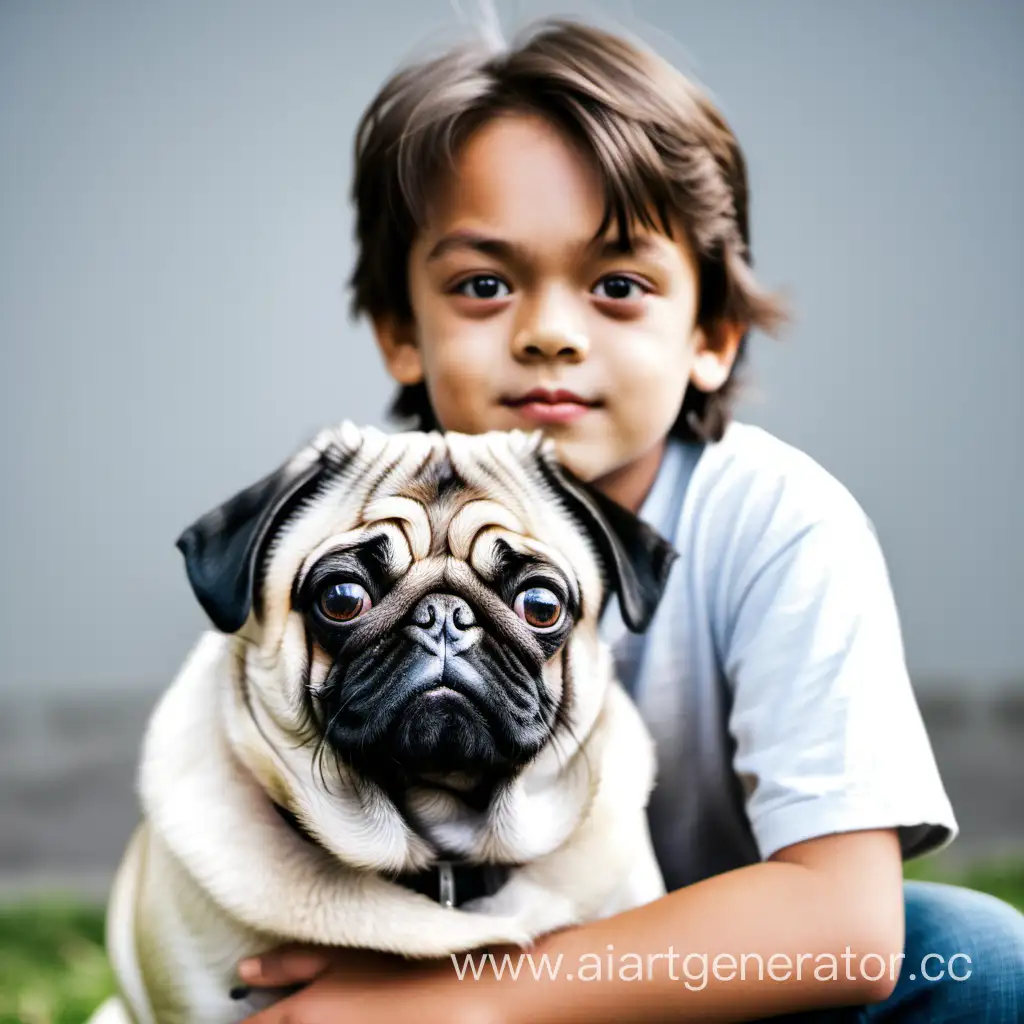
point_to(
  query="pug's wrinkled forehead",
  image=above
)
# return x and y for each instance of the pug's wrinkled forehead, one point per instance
(427, 513)
(450, 508)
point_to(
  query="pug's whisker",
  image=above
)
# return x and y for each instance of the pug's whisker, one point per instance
(316, 766)
(322, 748)
(263, 733)
(563, 728)
(308, 726)
(323, 745)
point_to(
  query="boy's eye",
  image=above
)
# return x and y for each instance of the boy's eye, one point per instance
(482, 286)
(619, 288)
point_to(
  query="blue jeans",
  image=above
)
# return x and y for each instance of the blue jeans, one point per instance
(987, 988)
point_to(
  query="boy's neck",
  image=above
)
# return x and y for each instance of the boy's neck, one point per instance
(629, 485)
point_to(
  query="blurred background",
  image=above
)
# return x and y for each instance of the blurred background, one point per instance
(175, 239)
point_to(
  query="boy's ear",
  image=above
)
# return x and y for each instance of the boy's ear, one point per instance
(716, 349)
(396, 340)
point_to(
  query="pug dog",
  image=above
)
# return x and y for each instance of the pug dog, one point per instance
(404, 733)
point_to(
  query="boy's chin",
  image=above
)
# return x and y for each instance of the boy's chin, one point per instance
(585, 457)
(622, 475)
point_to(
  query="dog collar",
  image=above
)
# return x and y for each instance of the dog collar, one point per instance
(453, 884)
(448, 882)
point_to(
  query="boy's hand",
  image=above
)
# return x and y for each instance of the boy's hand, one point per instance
(296, 964)
(363, 987)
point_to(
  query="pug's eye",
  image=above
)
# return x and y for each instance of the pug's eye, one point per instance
(538, 607)
(344, 602)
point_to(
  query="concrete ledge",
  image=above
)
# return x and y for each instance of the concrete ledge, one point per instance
(948, 706)
(68, 806)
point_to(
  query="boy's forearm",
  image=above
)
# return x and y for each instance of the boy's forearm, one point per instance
(766, 939)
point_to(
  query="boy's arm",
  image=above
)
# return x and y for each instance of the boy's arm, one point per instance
(781, 936)
(821, 924)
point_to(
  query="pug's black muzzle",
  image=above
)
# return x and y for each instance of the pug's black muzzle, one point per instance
(440, 695)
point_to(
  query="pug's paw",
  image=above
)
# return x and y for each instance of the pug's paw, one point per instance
(457, 931)
(537, 910)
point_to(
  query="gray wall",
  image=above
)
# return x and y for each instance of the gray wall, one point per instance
(175, 238)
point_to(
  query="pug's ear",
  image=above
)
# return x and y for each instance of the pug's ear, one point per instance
(636, 558)
(223, 548)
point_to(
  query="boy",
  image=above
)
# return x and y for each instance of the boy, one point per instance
(556, 235)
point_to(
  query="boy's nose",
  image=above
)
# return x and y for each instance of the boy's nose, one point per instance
(550, 343)
(550, 327)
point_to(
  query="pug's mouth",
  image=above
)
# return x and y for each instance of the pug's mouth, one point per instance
(438, 697)
(442, 731)
(441, 734)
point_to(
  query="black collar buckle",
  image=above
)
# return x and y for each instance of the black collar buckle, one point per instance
(453, 884)
(448, 882)
(446, 894)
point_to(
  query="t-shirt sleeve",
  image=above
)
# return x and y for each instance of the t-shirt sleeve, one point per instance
(828, 735)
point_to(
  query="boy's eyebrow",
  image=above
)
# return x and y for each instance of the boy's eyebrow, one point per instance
(630, 245)
(500, 248)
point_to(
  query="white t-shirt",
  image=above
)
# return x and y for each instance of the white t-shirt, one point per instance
(773, 675)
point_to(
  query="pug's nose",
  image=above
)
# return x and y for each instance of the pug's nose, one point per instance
(443, 617)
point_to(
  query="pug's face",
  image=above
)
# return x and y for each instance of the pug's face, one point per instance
(438, 664)
(427, 604)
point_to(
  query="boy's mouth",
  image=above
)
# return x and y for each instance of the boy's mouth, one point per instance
(543, 406)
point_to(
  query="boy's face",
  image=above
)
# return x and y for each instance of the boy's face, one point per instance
(511, 293)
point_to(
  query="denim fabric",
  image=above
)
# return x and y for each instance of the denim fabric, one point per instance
(947, 920)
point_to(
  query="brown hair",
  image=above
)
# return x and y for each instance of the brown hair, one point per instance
(662, 148)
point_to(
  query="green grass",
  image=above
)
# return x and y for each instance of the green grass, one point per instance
(1004, 879)
(53, 969)
(52, 966)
